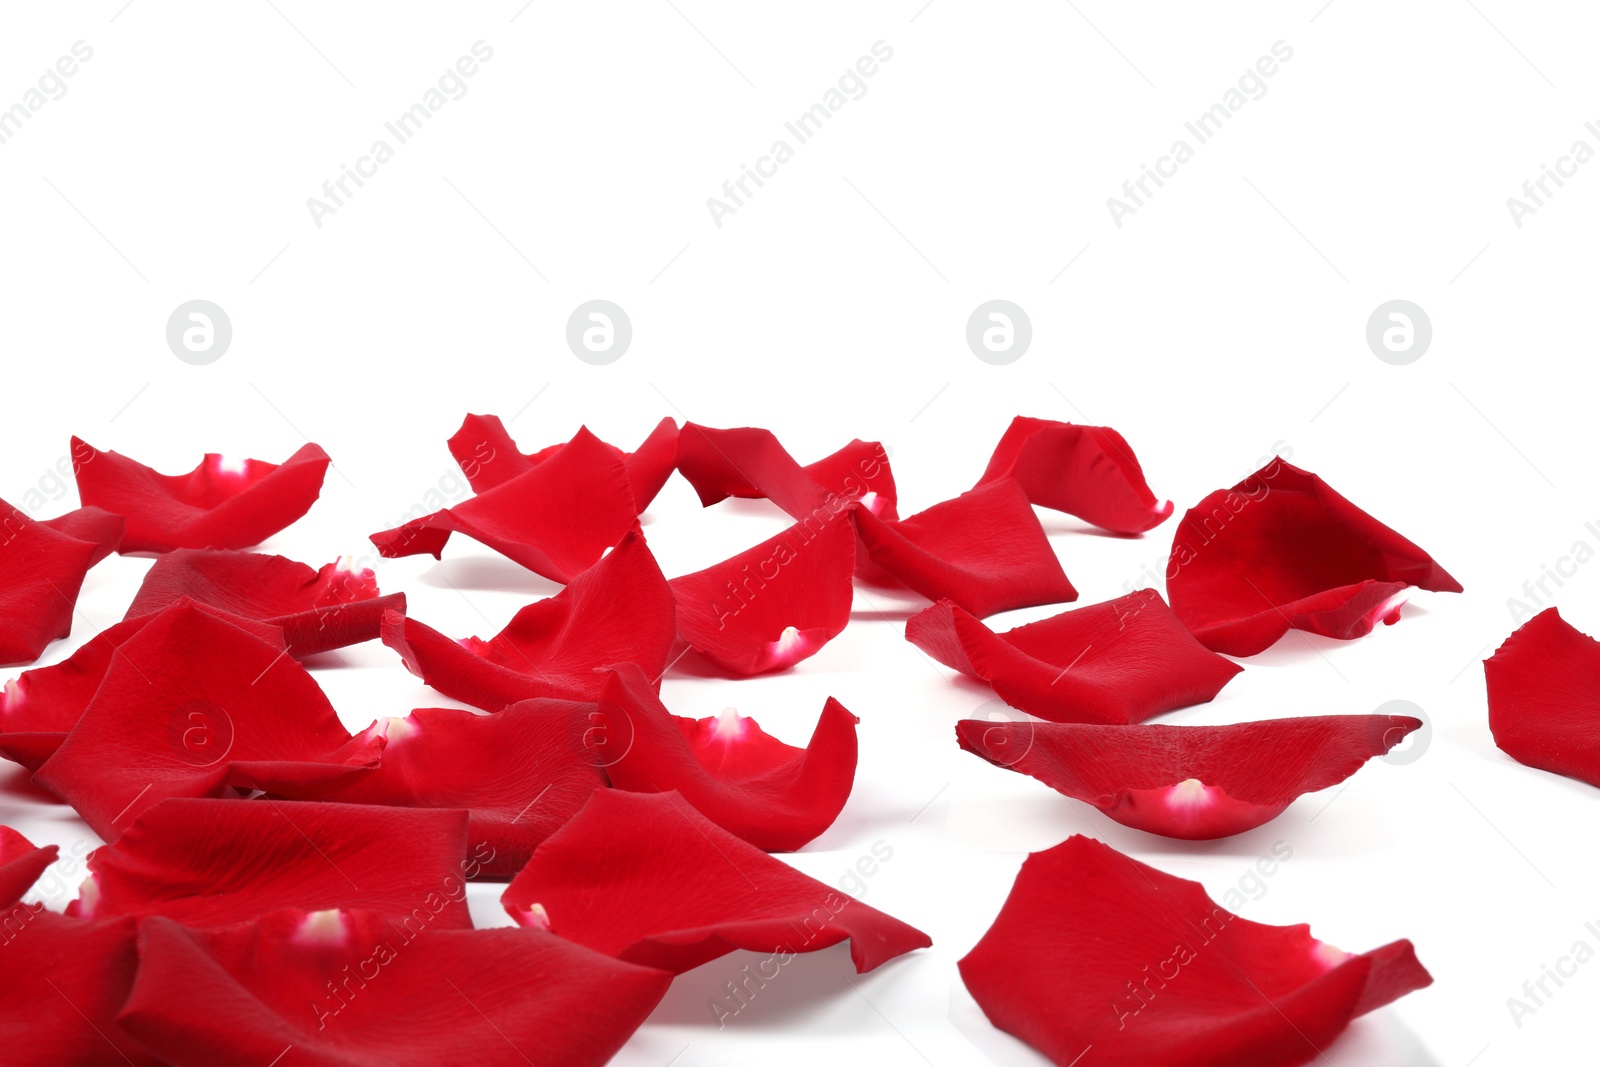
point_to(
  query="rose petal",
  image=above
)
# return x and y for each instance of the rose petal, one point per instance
(61, 987)
(649, 880)
(1120, 661)
(772, 795)
(984, 550)
(21, 864)
(775, 604)
(1192, 782)
(41, 571)
(210, 862)
(216, 505)
(1096, 950)
(1281, 550)
(556, 519)
(1087, 471)
(100, 528)
(520, 773)
(189, 706)
(1544, 697)
(488, 456)
(749, 462)
(353, 989)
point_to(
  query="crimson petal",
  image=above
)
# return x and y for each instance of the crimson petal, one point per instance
(95, 525)
(1192, 782)
(216, 505)
(211, 862)
(1096, 950)
(41, 571)
(1087, 471)
(984, 550)
(21, 864)
(772, 795)
(556, 519)
(1281, 550)
(619, 610)
(488, 456)
(521, 773)
(775, 604)
(647, 879)
(749, 462)
(190, 706)
(351, 989)
(1544, 697)
(1117, 662)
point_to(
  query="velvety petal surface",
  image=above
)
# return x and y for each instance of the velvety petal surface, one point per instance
(1087, 471)
(41, 571)
(1544, 697)
(488, 456)
(748, 461)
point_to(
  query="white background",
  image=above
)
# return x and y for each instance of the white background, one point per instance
(1225, 319)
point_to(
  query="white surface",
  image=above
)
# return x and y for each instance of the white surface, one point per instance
(1223, 318)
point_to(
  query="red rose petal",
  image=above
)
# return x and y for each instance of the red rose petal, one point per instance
(63, 982)
(619, 610)
(647, 879)
(984, 550)
(557, 519)
(216, 505)
(1192, 782)
(211, 862)
(100, 528)
(1117, 662)
(1096, 950)
(772, 795)
(775, 604)
(488, 456)
(520, 773)
(41, 571)
(1087, 471)
(189, 706)
(749, 462)
(355, 990)
(1281, 550)
(21, 864)
(317, 610)
(1544, 697)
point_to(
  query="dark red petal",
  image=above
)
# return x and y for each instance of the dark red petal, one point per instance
(647, 879)
(41, 571)
(620, 610)
(749, 462)
(210, 862)
(1087, 471)
(216, 505)
(773, 605)
(1544, 697)
(1096, 950)
(60, 989)
(351, 989)
(190, 706)
(488, 456)
(1281, 550)
(1193, 782)
(556, 519)
(1117, 662)
(520, 773)
(772, 795)
(317, 610)
(100, 528)
(984, 550)
(21, 864)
